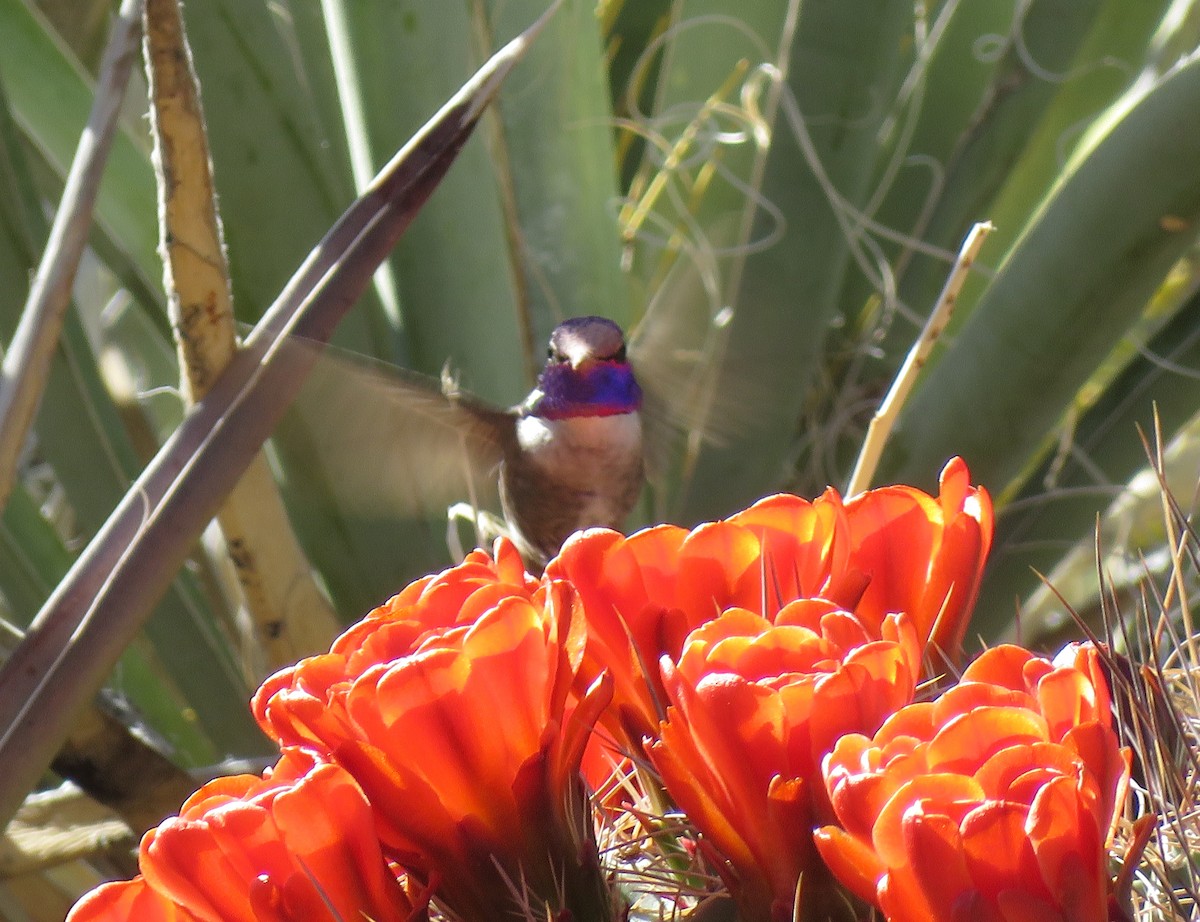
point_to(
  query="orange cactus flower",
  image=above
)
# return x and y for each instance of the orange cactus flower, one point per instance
(754, 705)
(128, 900)
(993, 802)
(391, 631)
(297, 845)
(923, 555)
(889, 550)
(464, 738)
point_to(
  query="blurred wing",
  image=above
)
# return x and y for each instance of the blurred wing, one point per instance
(678, 353)
(385, 442)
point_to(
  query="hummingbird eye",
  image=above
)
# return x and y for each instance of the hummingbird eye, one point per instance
(619, 355)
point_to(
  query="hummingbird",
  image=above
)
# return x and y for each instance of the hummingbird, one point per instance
(572, 451)
(569, 456)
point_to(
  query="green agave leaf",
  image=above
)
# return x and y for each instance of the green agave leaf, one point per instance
(34, 558)
(82, 25)
(1072, 285)
(279, 167)
(1177, 36)
(1008, 89)
(80, 433)
(946, 104)
(457, 298)
(560, 172)
(688, 221)
(50, 96)
(1088, 90)
(842, 59)
(1040, 50)
(32, 561)
(521, 234)
(634, 52)
(1108, 61)
(1129, 527)
(1058, 506)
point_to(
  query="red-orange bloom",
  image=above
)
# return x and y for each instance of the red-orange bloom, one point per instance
(297, 845)
(128, 900)
(923, 555)
(753, 708)
(993, 802)
(463, 738)
(889, 550)
(293, 705)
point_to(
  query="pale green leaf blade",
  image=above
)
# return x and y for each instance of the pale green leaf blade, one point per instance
(844, 58)
(1073, 284)
(50, 97)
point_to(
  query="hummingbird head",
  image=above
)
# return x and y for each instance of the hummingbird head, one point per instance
(586, 372)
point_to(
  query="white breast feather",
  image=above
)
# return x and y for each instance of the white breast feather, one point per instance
(591, 454)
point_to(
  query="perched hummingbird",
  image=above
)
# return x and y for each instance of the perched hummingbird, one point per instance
(568, 457)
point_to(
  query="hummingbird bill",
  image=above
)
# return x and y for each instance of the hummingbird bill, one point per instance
(568, 457)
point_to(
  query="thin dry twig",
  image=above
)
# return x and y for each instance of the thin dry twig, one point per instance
(885, 417)
(1156, 703)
